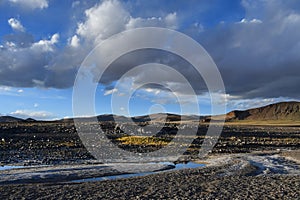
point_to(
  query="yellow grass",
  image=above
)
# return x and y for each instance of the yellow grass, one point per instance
(143, 140)
(67, 144)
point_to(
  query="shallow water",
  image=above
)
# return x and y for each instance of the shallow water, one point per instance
(8, 167)
(188, 165)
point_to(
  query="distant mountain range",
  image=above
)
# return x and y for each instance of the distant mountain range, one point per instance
(273, 112)
(10, 119)
(5, 119)
(158, 117)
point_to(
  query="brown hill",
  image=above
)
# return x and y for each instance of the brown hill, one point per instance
(285, 111)
(277, 111)
(162, 117)
(10, 119)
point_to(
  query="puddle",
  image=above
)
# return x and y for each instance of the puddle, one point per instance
(179, 166)
(189, 165)
(8, 167)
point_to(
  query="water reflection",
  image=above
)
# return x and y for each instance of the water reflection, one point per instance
(178, 166)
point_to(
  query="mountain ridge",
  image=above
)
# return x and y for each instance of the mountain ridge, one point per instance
(10, 119)
(276, 111)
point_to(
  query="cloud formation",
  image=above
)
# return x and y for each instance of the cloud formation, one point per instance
(258, 55)
(101, 21)
(23, 62)
(24, 114)
(16, 24)
(31, 4)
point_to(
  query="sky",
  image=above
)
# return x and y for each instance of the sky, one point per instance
(255, 45)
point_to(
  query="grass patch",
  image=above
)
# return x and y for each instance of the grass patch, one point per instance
(143, 140)
(67, 144)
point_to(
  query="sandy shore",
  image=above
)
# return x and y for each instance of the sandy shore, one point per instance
(225, 177)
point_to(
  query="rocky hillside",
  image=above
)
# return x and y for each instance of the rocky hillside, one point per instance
(10, 119)
(278, 111)
(162, 117)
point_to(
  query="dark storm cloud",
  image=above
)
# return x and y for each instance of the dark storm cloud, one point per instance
(259, 57)
(136, 58)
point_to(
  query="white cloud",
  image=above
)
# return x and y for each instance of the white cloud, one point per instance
(28, 64)
(169, 21)
(252, 21)
(108, 92)
(293, 18)
(110, 17)
(153, 90)
(10, 91)
(75, 3)
(36, 105)
(103, 20)
(16, 24)
(33, 114)
(244, 104)
(31, 4)
(5, 88)
(46, 45)
(74, 41)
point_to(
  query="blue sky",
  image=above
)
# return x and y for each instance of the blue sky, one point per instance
(255, 45)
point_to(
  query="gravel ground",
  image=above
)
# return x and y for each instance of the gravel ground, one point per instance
(200, 183)
(293, 155)
(64, 173)
(58, 143)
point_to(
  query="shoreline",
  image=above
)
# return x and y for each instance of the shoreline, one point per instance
(271, 162)
(224, 177)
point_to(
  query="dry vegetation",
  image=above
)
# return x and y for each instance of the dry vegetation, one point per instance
(143, 140)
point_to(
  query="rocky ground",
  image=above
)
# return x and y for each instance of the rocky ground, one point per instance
(222, 179)
(271, 171)
(53, 143)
